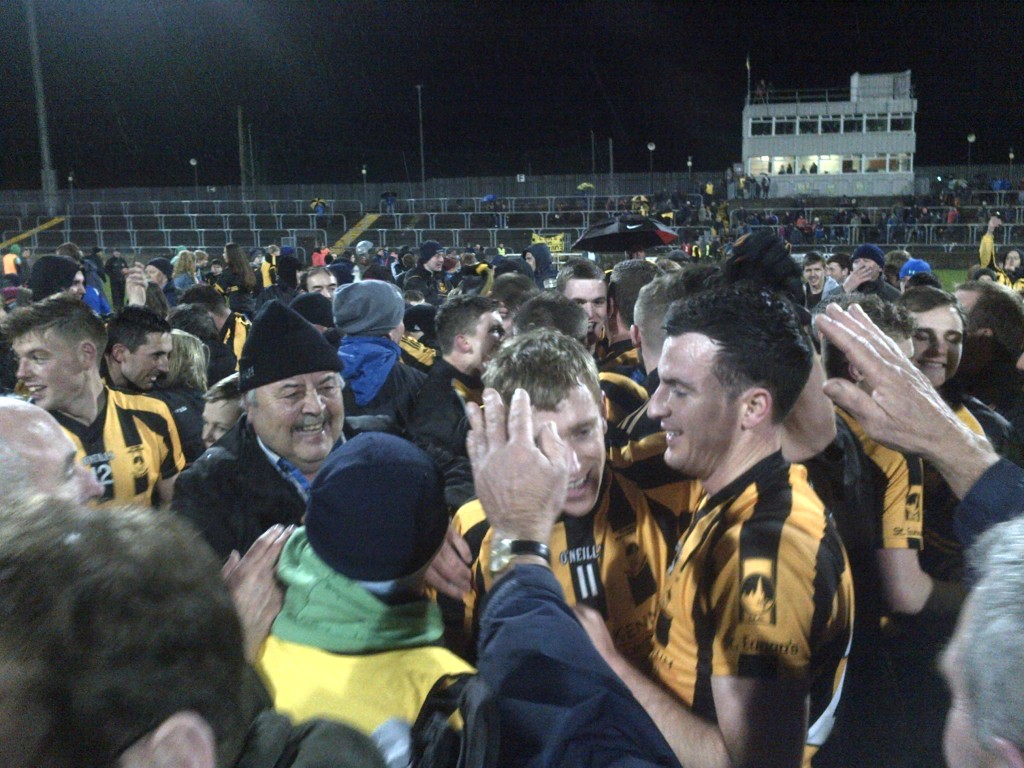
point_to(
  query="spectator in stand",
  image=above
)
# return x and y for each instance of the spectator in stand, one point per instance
(238, 281)
(866, 276)
(184, 271)
(222, 410)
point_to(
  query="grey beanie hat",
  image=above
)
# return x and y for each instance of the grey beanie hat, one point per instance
(368, 308)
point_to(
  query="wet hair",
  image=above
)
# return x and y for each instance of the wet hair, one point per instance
(207, 297)
(893, 320)
(552, 310)
(547, 364)
(577, 269)
(625, 282)
(926, 298)
(194, 319)
(66, 316)
(458, 316)
(512, 289)
(759, 339)
(1000, 310)
(131, 327)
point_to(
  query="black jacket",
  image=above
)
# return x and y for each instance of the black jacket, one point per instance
(232, 494)
(438, 424)
(273, 742)
(186, 406)
(390, 410)
(432, 285)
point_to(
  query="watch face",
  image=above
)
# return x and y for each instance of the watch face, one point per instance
(501, 554)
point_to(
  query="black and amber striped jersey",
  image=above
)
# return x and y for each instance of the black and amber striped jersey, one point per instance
(131, 445)
(759, 587)
(619, 357)
(234, 332)
(612, 559)
(943, 556)
(900, 478)
(622, 396)
(416, 353)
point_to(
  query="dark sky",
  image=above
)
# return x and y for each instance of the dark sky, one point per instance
(137, 87)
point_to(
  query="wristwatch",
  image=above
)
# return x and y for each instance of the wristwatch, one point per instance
(503, 551)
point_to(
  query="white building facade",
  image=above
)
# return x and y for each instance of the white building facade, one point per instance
(859, 142)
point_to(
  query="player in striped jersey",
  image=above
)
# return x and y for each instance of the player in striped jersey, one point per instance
(129, 441)
(756, 612)
(611, 545)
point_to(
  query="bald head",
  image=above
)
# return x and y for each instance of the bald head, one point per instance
(37, 457)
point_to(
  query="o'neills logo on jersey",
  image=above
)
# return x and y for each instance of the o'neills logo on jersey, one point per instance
(581, 554)
(757, 591)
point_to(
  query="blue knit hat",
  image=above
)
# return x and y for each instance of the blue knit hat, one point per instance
(363, 523)
(913, 267)
(869, 251)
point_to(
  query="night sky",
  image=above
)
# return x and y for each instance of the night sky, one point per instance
(135, 88)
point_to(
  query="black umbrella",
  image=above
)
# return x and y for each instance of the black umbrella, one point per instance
(624, 232)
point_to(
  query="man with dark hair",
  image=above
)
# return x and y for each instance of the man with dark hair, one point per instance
(122, 647)
(258, 474)
(319, 280)
(511, 291)
(818, 286)
(583, 282)
(552, 310)
(993, 350)
(194, 319)
(129, 441)
(624, 284)
(138, 349)
(839, 267)
(469, 330)
(232, 327)
(755, 617)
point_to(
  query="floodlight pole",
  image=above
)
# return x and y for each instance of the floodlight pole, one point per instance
(423, 162)
(49, 176)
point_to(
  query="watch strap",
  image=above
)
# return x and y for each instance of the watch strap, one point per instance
(528, 547)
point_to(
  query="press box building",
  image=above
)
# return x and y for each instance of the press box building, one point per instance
(856, 142)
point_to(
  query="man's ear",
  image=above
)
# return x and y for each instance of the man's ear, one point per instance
(756, 407)
(183, 740)
(89, 353)
(634, 335)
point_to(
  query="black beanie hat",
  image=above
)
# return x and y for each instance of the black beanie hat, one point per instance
(282, 344)
(365, 525)
(164, 265)
(428, 248)
(287, 270)
(314, 307)
(52, 274)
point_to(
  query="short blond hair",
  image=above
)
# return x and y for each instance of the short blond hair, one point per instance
(547, 364)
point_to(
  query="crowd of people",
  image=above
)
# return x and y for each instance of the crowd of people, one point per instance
(261, 513)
